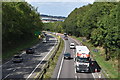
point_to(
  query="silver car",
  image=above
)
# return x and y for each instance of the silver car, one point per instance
(17, 58)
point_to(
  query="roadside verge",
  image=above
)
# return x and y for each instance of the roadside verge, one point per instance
(53, 61)
(109, 69)
(48, 68)
(7, 56)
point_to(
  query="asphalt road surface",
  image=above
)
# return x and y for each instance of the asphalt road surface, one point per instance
(65, 69)
(30, 63)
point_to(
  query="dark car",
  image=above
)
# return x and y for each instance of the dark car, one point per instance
(67, 56)
(17, 58)
(65, 33)
(66, 38)
(30, 51)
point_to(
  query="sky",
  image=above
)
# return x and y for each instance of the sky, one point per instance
(58, 7)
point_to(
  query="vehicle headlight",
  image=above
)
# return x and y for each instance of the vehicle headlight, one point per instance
(77, 68)
(87, 69)
(88, 64)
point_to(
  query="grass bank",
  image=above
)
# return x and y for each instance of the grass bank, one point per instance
(53, 62)
(22, 45)
(110, 67)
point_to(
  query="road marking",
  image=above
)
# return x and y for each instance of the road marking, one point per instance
(4, 63)
(22, 53)
(99, 75)
(60, 68)
(92, 73)
(74, 62)
(75, 77)
(11, 60)
(6, 76)
(75, 68)
(14, 69)
(81, 44)
(40, 63)
(61, 63)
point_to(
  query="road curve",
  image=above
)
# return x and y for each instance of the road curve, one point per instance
(65, 69)
(30, 62)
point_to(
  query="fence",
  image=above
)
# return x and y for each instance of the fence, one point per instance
(44, 67)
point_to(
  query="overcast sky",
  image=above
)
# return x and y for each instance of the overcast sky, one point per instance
(58, 7)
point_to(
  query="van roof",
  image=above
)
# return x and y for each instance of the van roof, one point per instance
(82, 49)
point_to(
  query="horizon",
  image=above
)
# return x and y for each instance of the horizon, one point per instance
(57, 8)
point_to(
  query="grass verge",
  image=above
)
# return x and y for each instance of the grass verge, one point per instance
(8, 54)
(53, 62)
(110, 67)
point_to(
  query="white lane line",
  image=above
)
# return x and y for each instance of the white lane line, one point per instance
(61, 63)
(22, 53)
(40, 63)
(5, 63)
(14, 69)
(99, 75)
(11, 60)
(75, 68)
(74, 61)
(75, 77)
(90, 68)
(60, 68)
(6, 76)
(92, 73)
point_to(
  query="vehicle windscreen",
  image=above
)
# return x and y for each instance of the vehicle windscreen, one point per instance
(72, 44)
(30, 49)
(82, 59)
(17, 56)
(66, 54)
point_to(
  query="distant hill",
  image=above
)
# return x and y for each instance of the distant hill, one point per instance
(59, 17)
(49, 18)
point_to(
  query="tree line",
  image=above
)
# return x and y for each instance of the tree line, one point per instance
(20, 21)
(98, 22)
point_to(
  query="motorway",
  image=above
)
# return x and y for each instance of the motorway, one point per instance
(66, 68)
(31, 62)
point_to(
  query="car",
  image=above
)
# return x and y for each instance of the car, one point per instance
(67, 56)
(17, 58)
(54, 33)
(66, 38)
(72, 45)
(65, 33)
(44, 40)
(30, 51)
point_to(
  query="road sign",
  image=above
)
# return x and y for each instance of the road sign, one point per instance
(58, 36)
(37, 32)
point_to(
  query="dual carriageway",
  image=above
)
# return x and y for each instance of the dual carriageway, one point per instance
(31, 63)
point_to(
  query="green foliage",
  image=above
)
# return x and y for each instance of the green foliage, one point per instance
(19, 22)
(98, 22)
(55, 27)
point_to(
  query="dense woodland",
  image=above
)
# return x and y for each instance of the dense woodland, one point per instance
(20, 21)
(98, 22)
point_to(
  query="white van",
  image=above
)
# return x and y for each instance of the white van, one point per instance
(72, 45)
